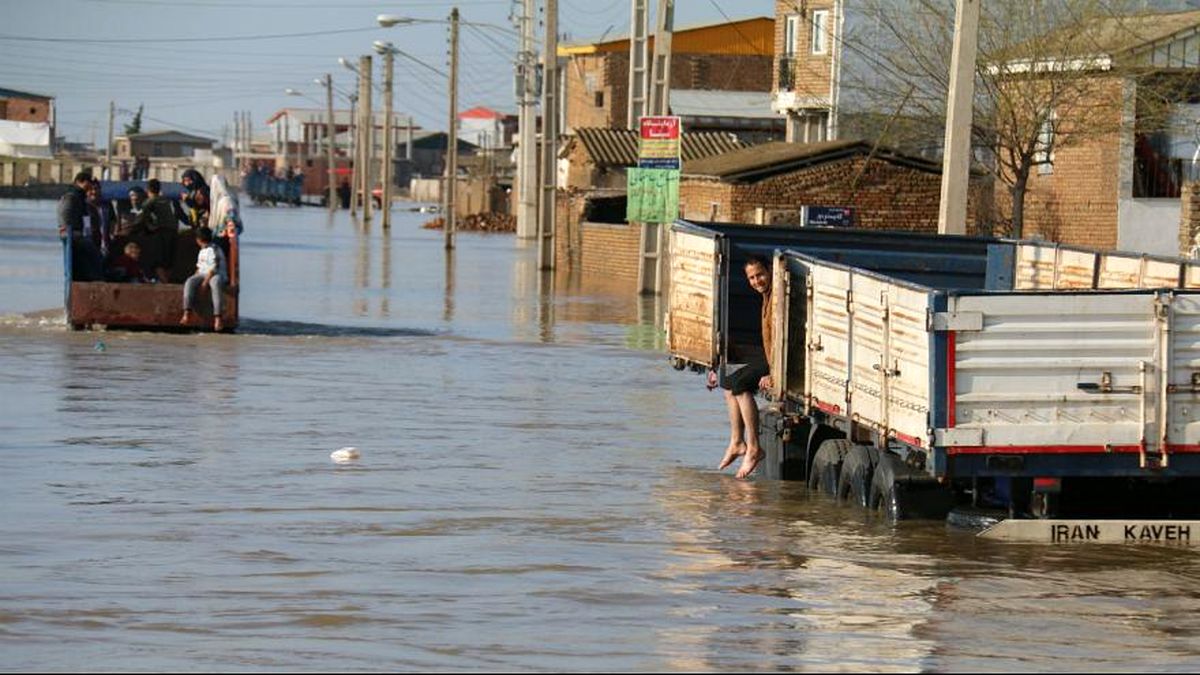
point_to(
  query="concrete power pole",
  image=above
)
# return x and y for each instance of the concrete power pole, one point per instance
(448, 189)
(330, 135)
(112, 113)
(639, 73)
(367, 124)
(548, 204)
(660, 92)
(527, 205)
(355, 150)
(389, 143)
(956, 160)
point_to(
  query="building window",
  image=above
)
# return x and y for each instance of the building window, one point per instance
(1043, 153)
(599, 99)
(158, 150)
(791, 28)
(820, 35)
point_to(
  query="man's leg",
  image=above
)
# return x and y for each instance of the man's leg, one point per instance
(754, 454)
(189, 297)
(737, 447)
(218, 300)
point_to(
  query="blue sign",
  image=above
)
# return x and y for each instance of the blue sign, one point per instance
(659, 163)
(828, 216)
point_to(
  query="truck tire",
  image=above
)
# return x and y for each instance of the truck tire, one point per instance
(858, 471)
(827, 466)
(898, 492)
(887, 494)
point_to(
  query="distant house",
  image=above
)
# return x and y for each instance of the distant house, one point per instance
(166, 143)
(591, 230)
(769, 183)
(26, 124)
(729, 56)
(428, 155)
(1114, 158)
(486, 128)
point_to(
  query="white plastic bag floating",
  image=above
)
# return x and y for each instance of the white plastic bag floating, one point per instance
(344, 455)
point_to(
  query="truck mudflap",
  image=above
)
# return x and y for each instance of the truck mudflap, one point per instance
(1164, 532)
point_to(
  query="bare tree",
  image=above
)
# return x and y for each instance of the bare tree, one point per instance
(1048, 76)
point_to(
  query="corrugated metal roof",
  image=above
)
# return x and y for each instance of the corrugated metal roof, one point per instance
(619, 147)
(715, 103)
(769, 159)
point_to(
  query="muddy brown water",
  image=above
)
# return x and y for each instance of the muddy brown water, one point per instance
(535, 493)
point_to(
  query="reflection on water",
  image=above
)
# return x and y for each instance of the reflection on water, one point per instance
(534, 493)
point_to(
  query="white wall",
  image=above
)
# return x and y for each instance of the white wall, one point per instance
(1148, 226)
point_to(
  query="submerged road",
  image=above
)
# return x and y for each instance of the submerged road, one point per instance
(534, 493)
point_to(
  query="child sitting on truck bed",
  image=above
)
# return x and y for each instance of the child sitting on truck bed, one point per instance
(211, 273)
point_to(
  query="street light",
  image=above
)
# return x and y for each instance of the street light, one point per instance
(389, 54)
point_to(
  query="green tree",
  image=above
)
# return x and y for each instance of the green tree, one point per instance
(135, 125)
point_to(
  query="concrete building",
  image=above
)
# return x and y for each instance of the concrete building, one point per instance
(486, 128)
(160, 144)
(732, 56)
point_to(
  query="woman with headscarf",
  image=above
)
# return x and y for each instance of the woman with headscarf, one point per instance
(196, 198)
(224, 215)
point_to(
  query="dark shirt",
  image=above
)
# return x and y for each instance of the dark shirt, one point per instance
(71, 208)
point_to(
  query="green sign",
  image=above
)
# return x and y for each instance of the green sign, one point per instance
(652, 195)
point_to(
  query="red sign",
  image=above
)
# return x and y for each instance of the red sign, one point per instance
(659, 146)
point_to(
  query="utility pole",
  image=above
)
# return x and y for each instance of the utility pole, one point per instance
(549, 139)
(389, 144)
(355, 149)
(408, 140)
(330, 135)
(365, 75)
(237, 138)
(112, 113)
(956, 160)
(639, 22)
(452, 137)
(660, 92)
(527, 204)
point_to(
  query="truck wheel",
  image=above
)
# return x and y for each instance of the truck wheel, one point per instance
(887, 496)
(858, 470)
(827, 465)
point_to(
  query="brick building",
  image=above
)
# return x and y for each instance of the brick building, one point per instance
(1115, 155)
(592, 234)
(26, 124)
(732, 56)
(22, 106)
(769, 183)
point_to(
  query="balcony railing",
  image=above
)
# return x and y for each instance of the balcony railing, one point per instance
(787, 73)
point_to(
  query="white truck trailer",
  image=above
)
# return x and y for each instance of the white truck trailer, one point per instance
(917, 373)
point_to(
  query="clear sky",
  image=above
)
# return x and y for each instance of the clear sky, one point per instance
(164, 54)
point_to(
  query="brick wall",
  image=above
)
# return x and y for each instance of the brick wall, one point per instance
(885, 196)
(609, 250)
(587, 76)
(25, 110)
(1076, 201)
(1189, 216)
(812, 71)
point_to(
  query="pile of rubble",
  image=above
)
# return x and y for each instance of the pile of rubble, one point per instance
(478, 222)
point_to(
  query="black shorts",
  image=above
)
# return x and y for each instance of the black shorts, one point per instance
(745, 378)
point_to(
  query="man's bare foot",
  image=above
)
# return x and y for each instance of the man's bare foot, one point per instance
(750, 462)
(735, 450)
(218, 325)
(186, 318)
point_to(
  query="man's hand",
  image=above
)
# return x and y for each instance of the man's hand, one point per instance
(712, 380)
(766, 383)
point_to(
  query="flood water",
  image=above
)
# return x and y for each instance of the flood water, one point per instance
(535, 493)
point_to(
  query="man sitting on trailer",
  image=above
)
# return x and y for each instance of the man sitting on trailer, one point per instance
(741, 384)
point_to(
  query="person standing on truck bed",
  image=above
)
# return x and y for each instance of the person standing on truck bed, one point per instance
(741, 384)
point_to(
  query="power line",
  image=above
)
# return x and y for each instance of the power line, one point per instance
(218, 38)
